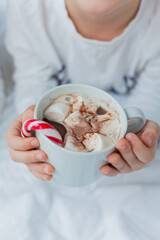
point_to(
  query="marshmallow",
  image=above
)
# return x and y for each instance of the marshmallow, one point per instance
(84, 104)
(71, 143)
(95, 142)
(111, 128)
(87, 116)
(67, 99)
(90, 105)
(78, 104)
(95, 124)
(77, 123)
(57, 112)
(104, 117)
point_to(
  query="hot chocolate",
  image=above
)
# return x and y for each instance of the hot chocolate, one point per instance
(86, 124)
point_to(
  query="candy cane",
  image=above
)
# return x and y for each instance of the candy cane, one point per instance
(43, 127)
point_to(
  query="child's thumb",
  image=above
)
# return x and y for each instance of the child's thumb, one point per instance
(28, 113)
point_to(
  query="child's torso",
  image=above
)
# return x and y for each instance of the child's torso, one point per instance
(111, 65)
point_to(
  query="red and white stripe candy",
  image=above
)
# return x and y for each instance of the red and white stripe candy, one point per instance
(43, 127)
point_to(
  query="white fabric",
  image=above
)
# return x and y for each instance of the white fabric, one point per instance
(43, 39)
(1, 94)
(126, 207)
(6, 64)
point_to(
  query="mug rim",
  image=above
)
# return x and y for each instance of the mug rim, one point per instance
(125, 125)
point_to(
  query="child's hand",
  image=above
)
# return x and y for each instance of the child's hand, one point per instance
(23, 150)
(135, 151)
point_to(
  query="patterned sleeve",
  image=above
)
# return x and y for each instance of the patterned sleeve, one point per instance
(146, 93)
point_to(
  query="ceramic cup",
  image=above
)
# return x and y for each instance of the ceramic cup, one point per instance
(82, 168)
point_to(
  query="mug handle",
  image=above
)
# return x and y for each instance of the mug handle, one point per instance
(136, 119)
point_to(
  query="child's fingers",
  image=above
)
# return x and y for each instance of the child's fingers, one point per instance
(143, 153)
(22, 144)
(119, 163)
(150, 134)
(125, 149)
(44, 177)
(28, 156)
(28, 113)
(109, 171)
(14, 139)
(43, 168)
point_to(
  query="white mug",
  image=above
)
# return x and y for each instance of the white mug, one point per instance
(82, 168)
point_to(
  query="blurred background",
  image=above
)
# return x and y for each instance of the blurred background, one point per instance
(6, 64)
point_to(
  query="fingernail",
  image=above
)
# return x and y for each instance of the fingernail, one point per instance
(122, 147)
(149, 140)
(45, 178)
(45, 170)
(33, 143)
(130, 138)
(39, 156)
(106, 172)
